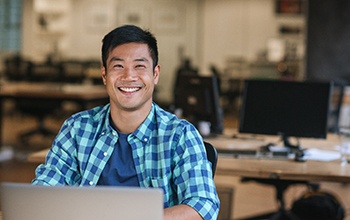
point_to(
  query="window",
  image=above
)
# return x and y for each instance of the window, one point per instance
(10, 25)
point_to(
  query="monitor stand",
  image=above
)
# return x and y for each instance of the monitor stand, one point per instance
(297, 149)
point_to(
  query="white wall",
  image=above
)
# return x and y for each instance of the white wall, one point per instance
(240, 28)
(173, 22)
(207, 31)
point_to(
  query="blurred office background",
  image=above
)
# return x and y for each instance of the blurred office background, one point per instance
(241, 38)
(235, 39)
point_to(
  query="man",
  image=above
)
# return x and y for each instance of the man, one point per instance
(132, 141)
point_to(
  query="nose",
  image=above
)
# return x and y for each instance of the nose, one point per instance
(129, 73)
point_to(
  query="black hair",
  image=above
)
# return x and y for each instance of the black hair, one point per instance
(129, 34)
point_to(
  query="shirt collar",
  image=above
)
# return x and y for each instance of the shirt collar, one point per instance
(143, 132)
(107, 127)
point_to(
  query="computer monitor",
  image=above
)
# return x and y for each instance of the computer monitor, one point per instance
(198, 98)
(286, 108)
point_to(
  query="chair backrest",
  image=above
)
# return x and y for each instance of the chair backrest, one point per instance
(212, 155)
(16, 68)
(73, 71)
(46, 72)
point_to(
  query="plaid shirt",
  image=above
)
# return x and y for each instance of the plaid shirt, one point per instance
(168, 153)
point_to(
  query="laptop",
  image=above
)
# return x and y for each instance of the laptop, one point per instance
(30, 202)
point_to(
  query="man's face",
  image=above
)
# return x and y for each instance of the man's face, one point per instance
(129, 77)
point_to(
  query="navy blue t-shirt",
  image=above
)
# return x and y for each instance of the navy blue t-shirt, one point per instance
(120, 168)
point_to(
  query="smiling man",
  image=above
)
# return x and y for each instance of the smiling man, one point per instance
(132, 141)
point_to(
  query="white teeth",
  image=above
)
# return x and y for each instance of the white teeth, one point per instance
(128, 89)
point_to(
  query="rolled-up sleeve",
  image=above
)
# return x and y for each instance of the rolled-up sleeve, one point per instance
(193, 176)
(60, 168)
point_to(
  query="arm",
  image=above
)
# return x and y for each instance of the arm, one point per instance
(192, 177)
(60, 166)
(78, 149)
(182, 212)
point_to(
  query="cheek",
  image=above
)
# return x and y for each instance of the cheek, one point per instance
(110, 77)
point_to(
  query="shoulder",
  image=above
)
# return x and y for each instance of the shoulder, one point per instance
(169, 120)
(179, 131)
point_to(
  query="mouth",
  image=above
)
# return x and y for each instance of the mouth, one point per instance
(129, 89)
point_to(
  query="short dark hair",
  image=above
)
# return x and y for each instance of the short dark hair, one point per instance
(129, 34)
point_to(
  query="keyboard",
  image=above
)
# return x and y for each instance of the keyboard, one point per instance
(250, 153)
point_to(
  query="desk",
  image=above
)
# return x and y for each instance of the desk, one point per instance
(313, 171)
(280, 169)
(74, 92)
(38, 157)
(279, 174)
(84, 95)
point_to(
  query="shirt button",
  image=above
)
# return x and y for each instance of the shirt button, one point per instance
(102, 133)
(105, 154)
(114, 133)
(91, 183)
(145, 139)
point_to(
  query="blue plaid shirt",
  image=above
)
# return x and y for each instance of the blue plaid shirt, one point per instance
(168, 153)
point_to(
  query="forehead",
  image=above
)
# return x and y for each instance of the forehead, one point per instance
(130, 50)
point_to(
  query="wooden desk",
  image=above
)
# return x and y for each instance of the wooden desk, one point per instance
(38, 157)
(74, 92)
(280, 169)
(313, 171)
(84, 95)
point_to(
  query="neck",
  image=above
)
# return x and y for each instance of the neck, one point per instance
(128, 121)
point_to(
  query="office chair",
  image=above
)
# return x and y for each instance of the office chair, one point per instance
(225, 194)
(73, 71)
(280, 187)
(92, 71)
(185, 69)
(39, 108)
(17, 68)
(212, 155)
(46, 72)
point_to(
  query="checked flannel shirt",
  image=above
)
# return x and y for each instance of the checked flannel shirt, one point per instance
(168, 153)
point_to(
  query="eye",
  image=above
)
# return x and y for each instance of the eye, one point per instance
(140, 66)
(118, 66)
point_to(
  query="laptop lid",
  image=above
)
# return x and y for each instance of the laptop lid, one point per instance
(25, 201)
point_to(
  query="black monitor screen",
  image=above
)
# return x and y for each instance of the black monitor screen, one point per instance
(198, 97)
(287, 108)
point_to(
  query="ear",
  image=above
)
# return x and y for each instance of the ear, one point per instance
(104, 75)
(156, 74)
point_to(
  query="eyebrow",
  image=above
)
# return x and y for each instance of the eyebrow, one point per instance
(116, 59)
(141, 59)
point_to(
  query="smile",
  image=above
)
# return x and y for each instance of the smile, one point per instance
(128, 89)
